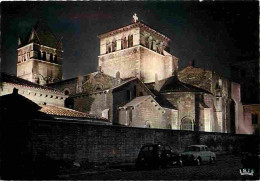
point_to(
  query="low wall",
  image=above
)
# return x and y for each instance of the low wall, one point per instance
(109, 144)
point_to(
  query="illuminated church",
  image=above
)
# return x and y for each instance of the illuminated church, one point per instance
(137, 82)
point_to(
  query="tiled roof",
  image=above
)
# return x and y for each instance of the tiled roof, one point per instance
(126, 81)
(16, 81)
(61, 111)
(136, 101)
(16, 102)
(42, 35)
(197, 77)
(173, 84)
(132, 25)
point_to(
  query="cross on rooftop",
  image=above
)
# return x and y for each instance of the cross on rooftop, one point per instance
(135, 18)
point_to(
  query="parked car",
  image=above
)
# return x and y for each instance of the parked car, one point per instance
(196, 154)
(251, 161)
(157, 156)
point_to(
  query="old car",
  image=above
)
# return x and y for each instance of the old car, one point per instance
(157, 156)
(250, 162)
(197, 154)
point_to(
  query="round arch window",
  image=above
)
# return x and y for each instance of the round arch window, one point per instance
(147, 124)
(186, 124)
(66, 92)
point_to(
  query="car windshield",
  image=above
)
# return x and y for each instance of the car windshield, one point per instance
(192, 148)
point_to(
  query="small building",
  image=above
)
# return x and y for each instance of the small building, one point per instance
(35, 92)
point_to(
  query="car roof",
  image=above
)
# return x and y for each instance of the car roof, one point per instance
(197, 146)
(154, 144)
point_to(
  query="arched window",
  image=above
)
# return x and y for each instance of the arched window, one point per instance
(147, 124)
(39, 54)
(38, 80)
(66, 91)
(123, 43)
(150, 40)
(55, 58)
(51, 57)
(130, 40)
(118, 75)
(147, 42)
(107, 47)
(114, 45)
(186, 124)
(43, 55)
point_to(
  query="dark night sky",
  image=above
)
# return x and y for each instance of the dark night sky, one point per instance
(211, 33)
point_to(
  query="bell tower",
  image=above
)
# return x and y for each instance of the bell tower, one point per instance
(136, 50)
(40, 55)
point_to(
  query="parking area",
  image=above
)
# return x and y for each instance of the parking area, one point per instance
(227, 167)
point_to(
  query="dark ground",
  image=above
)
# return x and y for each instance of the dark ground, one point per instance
(226, 168)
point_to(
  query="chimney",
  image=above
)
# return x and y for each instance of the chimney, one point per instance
(156, 79)
(192, 63)
(79, 84)
(15, 91)
(118, 77)
(99, 69)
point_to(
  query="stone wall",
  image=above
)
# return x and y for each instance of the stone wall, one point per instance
(153, 63)
(138, 61)
(69, 85)
(123, 61)
(147, 113)
(185, 104)
(94, 103)
(96, 143)
(38, 71)
(38, 96)
(250, 125)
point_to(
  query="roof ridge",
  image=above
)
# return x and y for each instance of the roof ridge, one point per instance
(26, 83)
(36, 36)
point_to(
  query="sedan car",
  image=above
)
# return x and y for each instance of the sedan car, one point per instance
(250, 162)
(197, 154)
(157, 155)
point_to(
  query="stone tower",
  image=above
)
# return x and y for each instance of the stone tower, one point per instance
(40, 56)
(136, 50)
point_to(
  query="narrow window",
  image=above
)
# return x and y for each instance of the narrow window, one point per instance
(114, 45)
(125, 42)
(66, 92)
(130, 40)
(122, 43)
(254, 119)
(107, 47)
(51, 57)
(186, 124)
(43, 55)
(39, 54)
(55, 58)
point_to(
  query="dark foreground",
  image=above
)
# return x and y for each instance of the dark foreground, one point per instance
(227, 167)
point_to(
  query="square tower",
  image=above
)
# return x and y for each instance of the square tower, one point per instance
(40, 56)
(136, 50)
